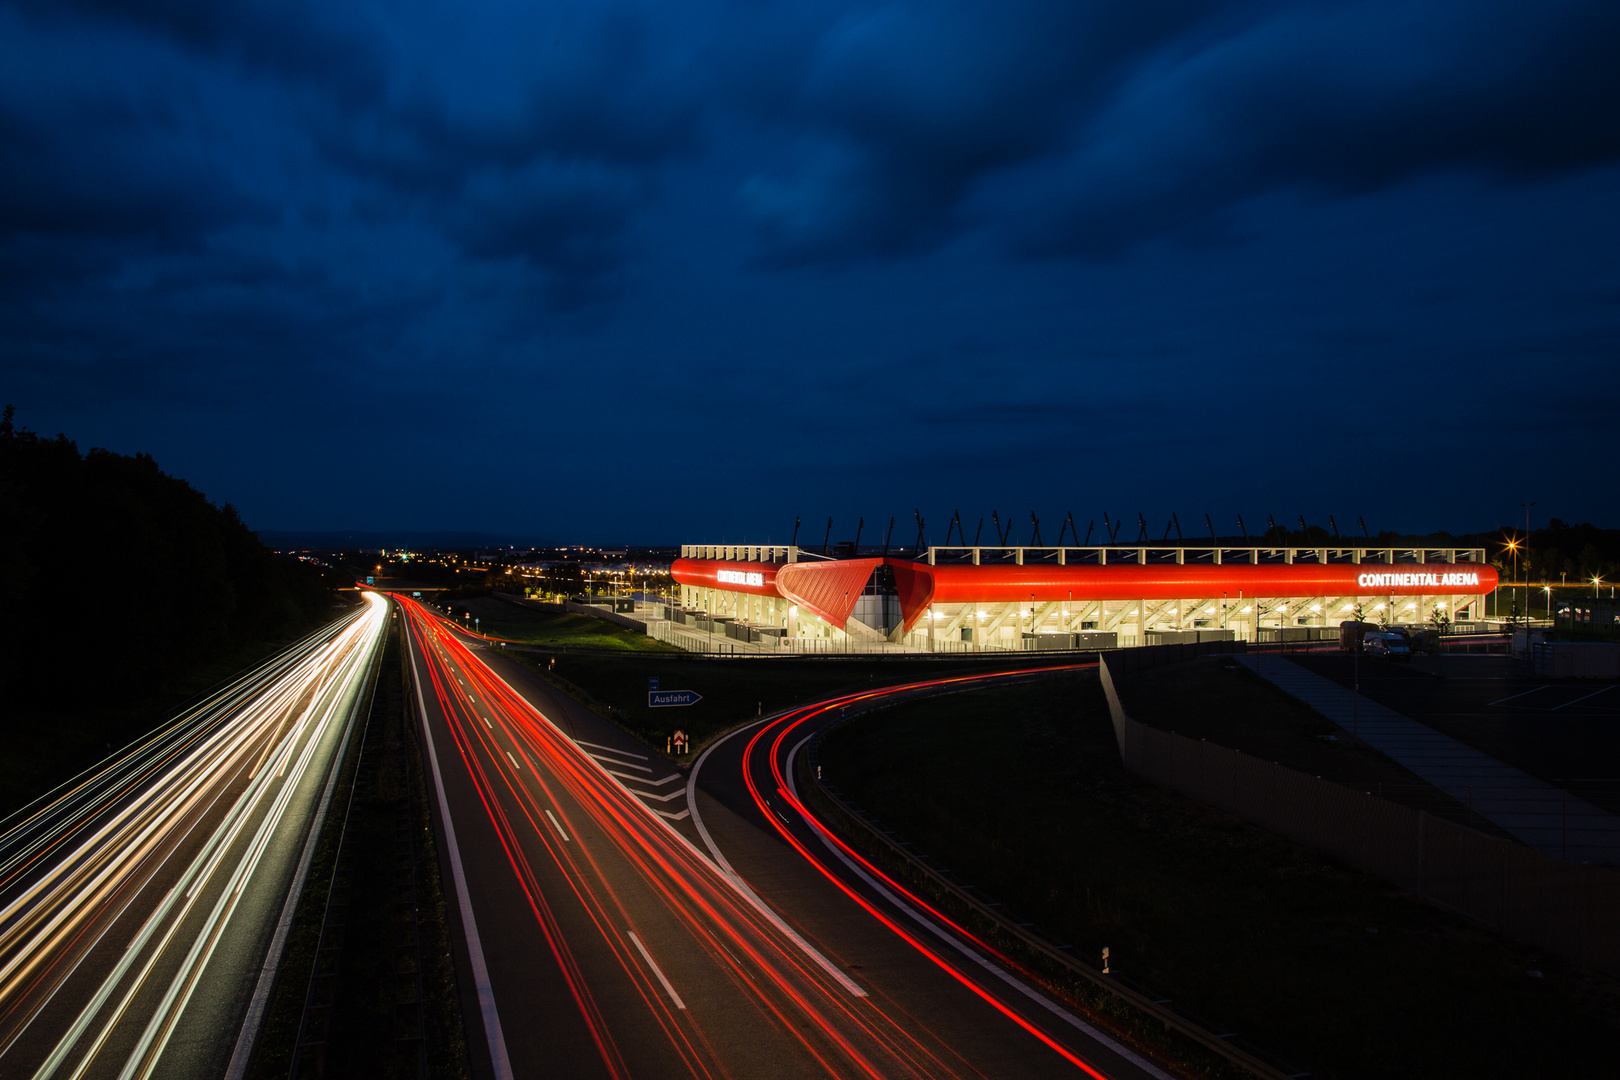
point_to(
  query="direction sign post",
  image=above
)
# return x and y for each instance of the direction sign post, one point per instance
(661, 699)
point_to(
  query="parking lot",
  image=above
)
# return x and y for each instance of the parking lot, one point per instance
(1566, 733)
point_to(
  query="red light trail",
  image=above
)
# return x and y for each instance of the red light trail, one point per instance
(843, 1033)
(599, 873)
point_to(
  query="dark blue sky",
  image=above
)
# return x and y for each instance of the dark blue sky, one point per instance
(670, 270)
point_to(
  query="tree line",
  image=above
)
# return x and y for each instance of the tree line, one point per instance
(120, 580)
(1576, 552)
(1561, 550)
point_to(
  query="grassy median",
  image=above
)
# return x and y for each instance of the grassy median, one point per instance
(1020, 792)
(380, 803)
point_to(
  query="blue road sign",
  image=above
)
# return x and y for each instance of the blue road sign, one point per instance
(657, 699)
(371, 580)
(652, 683)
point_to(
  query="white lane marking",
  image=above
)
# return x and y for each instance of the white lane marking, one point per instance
(557, 825)
(609, 749)
(729, 876)
(512, 759)
(621, 764)
(154, 1040)
(1510, 697)
(666, 813)
(487, 724)
(249, 1034)
(691, 796)
(1594, 693)
(227, 833)
(677, 793)
(627, 776)
(647, 956)
(1040, 999)
(469, 928)
(654, 783)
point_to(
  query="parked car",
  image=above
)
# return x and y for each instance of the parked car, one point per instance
(1383, 645)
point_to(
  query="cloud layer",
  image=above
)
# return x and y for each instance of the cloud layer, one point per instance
(206, 202)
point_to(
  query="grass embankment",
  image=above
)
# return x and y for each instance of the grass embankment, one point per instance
(733, 690)
(1218, 699)
(388, 807)
(1020, 792)
(554, 629)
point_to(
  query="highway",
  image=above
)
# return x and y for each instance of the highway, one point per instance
(996, 1005)
(608, 930)
(138, 901)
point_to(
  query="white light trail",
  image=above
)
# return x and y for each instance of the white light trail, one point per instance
(168, 834)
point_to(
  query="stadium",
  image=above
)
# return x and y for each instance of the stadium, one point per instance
(1006, 598)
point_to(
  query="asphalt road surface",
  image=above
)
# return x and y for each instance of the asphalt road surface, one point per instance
(618, 918)
(138, 901)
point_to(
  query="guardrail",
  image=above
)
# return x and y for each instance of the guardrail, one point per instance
(1223, 1044)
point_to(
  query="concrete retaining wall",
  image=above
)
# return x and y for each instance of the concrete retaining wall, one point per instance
(1564, 908)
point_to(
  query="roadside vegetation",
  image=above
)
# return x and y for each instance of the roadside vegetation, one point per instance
(127, 592)
(733, 691)
(1020, 792)
(555, 628)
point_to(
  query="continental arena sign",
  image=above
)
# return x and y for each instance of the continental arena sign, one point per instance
(1420, 580)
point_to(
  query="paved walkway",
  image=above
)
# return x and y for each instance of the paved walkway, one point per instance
(1543, 816)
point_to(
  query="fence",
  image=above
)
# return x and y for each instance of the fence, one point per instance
(598, 611)
(672, 634)
(1567, 909)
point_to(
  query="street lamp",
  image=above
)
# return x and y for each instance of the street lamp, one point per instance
(1526, 507)
(1513, 546)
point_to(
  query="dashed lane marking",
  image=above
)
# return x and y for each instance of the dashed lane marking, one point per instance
(647, 956)
(555, 824)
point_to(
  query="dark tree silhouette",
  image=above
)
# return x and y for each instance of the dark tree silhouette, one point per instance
(118, 579)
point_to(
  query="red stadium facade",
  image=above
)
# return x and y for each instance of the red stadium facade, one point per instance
(954, 598)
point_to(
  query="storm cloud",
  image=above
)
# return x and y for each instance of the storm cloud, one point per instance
(1031, 215)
